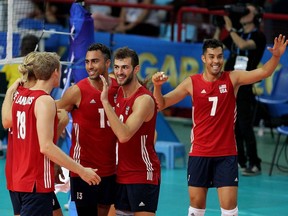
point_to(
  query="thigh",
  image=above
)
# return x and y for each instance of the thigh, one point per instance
(106, 190)
(138, 197)
(35, 204)
(82, 193)
(143, 197)
(200, 171)
(16, 202)
(225, 171)
(55, 202)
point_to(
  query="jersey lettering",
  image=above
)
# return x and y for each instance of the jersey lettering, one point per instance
(214, 101)
(79, 195)
(21, 125)
(102, 118)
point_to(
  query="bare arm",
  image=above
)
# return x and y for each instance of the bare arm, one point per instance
(248, 77)
(141, 112)
(6, 111)
(241, 43)
(63, 120)
(173, 97)
(70, 99)
(45, 124)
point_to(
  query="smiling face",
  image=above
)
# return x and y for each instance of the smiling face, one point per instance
(124, 71)
(213, 60)
(96, 64)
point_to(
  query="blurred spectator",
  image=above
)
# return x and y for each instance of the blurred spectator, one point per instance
(21, 9)
(138, 21)
(105, 18)
(52, 12)
(28, 44)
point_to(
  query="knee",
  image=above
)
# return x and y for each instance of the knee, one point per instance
(232, 212)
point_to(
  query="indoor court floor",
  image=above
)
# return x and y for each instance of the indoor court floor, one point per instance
(261, 195)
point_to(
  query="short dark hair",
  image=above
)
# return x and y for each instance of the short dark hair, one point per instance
(125, 52)
(211, 43)
(104, 49)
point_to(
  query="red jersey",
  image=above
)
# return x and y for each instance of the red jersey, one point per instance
(29, 168)
(93, 141)
(213, 117)
(137, 158)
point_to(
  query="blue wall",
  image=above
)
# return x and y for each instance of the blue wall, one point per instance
(178, 60)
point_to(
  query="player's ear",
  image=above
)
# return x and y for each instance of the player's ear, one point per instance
(203, 58)
(136, 69)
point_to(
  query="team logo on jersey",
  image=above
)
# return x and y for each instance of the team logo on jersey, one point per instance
(92, 101)
(141, 204)
(223, 88)
(127, 110)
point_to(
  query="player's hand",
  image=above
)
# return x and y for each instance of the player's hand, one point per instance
(104, 93)
(14, 86)
(228, 23)
(90, 176)
(63, 117)
(279, 46)
(159, 78)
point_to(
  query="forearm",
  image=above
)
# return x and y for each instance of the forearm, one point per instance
(55, 154)
(159, 97)
(269, 67)
(63, 120)
(6, 111)
(238, 40)
(117, 126)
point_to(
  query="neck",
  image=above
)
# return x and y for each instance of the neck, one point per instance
(44, 85)
(98, 84)
(211, 77)
(130, 89)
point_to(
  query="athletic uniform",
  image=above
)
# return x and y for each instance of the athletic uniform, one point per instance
(93, 145)
(213, 146)
(138, 164)
(32, 178)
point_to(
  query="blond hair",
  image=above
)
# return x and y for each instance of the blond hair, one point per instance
(26, 68)
(45, 64)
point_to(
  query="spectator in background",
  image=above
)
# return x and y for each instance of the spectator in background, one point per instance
(246, 48)
(28, 44)
(52, 12)
(105, 18)
(138, 21)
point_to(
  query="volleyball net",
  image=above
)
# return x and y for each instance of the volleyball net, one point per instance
(19, 18)
(12, 12)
